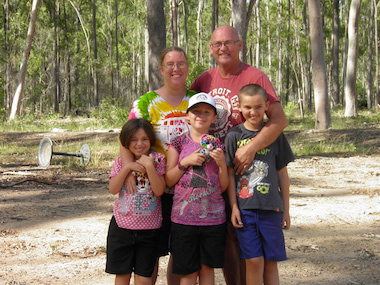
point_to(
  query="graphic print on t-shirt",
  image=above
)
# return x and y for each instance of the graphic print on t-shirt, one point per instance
(252, 178)
(199, 189)
(228, 113)
(169, 128)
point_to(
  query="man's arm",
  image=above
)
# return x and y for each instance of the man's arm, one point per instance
(269, 133)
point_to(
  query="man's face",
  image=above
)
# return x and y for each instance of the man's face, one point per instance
(225, 46)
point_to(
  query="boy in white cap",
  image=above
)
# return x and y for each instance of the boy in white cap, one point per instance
(198, 215)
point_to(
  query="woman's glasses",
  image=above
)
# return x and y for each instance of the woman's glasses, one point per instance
(180, 65)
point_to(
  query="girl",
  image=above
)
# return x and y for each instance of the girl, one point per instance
(198, 218)
(134, 228)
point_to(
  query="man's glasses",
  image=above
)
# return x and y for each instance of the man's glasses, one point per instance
(226, 44)
(180, 65)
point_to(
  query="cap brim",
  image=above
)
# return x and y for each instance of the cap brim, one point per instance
(188, 109)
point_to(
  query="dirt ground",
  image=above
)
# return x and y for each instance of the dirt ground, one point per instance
(53, 223)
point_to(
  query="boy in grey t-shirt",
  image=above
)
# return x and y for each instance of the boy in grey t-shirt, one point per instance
(259, 197)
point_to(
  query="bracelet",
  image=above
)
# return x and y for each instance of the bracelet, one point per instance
(181, 167)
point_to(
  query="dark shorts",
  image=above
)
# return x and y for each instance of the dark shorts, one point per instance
(164, 243)
(131, 250)
(192, 246)
(261, 235)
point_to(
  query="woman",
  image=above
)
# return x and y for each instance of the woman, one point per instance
(165, 108)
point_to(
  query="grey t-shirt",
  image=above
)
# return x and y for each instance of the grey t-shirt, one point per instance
(258, 187)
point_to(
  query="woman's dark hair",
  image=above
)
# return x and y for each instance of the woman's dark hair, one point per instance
(132, 126)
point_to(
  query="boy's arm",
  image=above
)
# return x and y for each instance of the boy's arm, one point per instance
(269, 133)
(284, 184)
(235, 215)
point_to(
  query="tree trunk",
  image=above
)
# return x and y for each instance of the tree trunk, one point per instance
(199, 42)
(7, 97)
(95, 65)
(67, 96)
(287, 84)
(269, 42)
(56, 58)
(335, 54)
(352, 58)
(322, 110)
(377, 106)
(174, 15)
(345, 51)
(214, 25)
(117, 50)
(215, 14)
(370, 56)
(279, 48)
(16, 104)
(306, 98)
(185, 26)
(258, 34)
(241, 16)
(157, 40)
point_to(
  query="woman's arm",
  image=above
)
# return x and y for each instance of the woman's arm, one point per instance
(130, 180)
(116, 182)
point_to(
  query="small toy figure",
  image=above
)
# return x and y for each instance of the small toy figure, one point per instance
(209, 143)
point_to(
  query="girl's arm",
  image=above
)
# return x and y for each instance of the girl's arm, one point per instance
(116, 182)
(283, 180)
(220, 159)
(173, 173)
(235, 214)
(157, 182)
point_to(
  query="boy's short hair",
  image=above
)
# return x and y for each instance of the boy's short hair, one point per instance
(132, 126)
(253, 89)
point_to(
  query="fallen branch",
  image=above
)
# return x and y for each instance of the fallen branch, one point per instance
(25, 180)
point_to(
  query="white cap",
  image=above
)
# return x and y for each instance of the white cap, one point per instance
(201, 98)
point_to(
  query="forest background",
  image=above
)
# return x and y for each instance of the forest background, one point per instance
(89, 55)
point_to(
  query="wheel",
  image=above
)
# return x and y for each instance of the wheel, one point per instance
(85, 153)
(45, 152)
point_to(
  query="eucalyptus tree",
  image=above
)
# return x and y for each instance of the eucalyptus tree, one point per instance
(17, 99)
(322, 110)
(352, 58)
(157, 39)
(241, 15)
(369, 81)
(335, 54)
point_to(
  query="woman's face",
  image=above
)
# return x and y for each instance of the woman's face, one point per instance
(174, 68)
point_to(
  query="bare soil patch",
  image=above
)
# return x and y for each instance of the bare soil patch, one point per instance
(53, 222)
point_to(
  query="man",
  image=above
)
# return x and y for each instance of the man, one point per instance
(223, 83)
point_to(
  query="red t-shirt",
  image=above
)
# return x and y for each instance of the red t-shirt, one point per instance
(225, 92)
